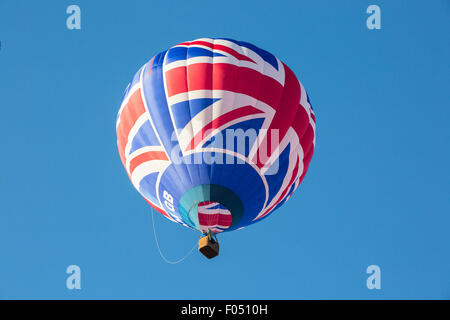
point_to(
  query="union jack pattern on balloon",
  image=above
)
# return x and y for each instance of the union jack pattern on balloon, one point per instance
(173, 133)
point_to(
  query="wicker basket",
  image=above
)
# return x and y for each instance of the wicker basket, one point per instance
(208, 246)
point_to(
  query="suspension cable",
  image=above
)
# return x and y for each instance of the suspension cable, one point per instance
(159, 249)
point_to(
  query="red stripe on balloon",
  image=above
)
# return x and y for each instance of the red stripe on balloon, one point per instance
(158, 209)
(285, 112)
(146, 156)
(224, 76)
(288, 187)
(128, 117)
(219, 121)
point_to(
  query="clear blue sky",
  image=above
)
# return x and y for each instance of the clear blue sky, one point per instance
(377, 191)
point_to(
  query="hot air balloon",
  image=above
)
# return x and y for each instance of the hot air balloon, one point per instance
(215, 134)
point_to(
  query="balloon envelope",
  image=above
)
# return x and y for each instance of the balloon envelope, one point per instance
(215, 133)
